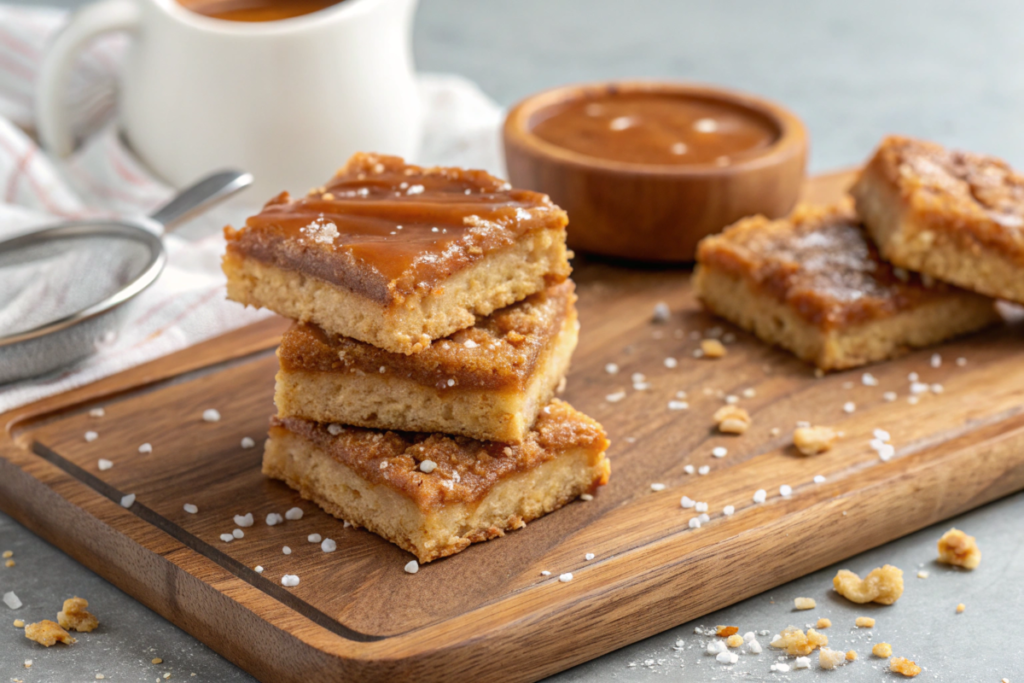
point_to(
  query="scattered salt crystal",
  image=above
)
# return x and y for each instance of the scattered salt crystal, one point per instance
(146, 448)
(91, 436)
(960, 362)
(616, 397)
(919, 388)
(760, 496)
(290, 580)
(247, 442)
(687, 502)
(586, 497)
(97, 412)
(329, 545)
(428, 466)
(661, 313)
(727, 657)
(638, 378)
(689, 469)
(293, 514)
(701, 507)
(869, 380)
(912, 400)
(912, 377)
(211, 415)
(334, 429)
(104, 464)
(716, 646)
(936, 361)
(314, 538)
(937, 389)
(191, 509)
(704, 469)
(671, 362)
(12, 600)
(286, 550)
(565, 578)
(469, 344)
(128, 500)
(754, 647)
(729, 510)
(588, 557)
(882, 435)
(819, 479)
(781, 667)
(258, 569)
(704, 518)
(886, 452)
(732, 400)
(705, 125)
(246, 520)
(802, 663)
(922, 574)
(678, 405)
(694, 523)
(889, 396)
(545, 573)
(719, 451)
(785, 490)
(274, 518)
(611, 368)
(849, 407)
(238, 533)
(658, 487)
(749, 636)
(227, 538)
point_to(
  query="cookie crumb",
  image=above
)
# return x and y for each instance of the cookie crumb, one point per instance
(883, 585)
(882, 650)
(735, 640)
(814, 440)
(156, 660)
(830, 659)
(805, 603)
(732, 419)
(712, 348)
(18, 623)
(75, 617)
(864, 622)
(795, 642)
(851, 656)
(904, 666)
(726, 631)
(824, 622)
(960, 608)
(959, 549)
(48, 633)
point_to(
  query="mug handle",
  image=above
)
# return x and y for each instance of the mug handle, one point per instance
(52, 121)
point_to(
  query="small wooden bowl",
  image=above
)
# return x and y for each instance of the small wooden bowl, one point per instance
(653, 212)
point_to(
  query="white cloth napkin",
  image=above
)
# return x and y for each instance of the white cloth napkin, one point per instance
(187, 304)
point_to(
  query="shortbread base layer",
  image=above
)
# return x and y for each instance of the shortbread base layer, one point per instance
(732, 298)
(509, 505)
(907, 241)
(498, 280)
(383, 401)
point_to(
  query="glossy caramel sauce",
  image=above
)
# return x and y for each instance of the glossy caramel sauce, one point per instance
(256, 10)
(466, 470)
(386, 229)
(820, 263)
(662, 129)
(500, 352)
(974, 198)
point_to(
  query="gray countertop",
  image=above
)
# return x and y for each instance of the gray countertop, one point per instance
(854, 71)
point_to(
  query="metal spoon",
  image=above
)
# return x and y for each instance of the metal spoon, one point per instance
(62, 288)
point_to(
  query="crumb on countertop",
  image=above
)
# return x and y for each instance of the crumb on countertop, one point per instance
(883, 585)
(904, 666)
(882, 650)
(824, 622)
(795, 642)
(732, 419)
(75, 617)
(959, 549)
(814, 440)
(864, 622)
(48, 633)
(712, 348)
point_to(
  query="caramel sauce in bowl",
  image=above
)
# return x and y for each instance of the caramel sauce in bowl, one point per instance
(647, 169)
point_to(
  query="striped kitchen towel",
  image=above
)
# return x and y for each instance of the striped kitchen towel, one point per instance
(102, 178)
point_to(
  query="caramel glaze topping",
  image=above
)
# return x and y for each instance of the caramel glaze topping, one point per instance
(500, 352)
(466, 469)
(820, 262)
(386, 229)
(973, 196)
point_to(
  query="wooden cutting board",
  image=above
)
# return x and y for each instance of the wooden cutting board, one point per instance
(488, 613)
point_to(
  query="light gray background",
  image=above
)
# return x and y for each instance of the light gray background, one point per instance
(942, 69)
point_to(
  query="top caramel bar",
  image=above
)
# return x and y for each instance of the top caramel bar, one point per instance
(820, 263)
(395, 254)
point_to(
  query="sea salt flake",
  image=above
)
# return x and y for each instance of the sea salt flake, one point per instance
(103, 464)
(704, 469)
(91, 436)
(729, 510)
(289, 580)
(565, 578)
(247, 442)
(190, 508)
(146, 448)
(293, 514)
(211, 415)
(314, 538)
(246, 520)
(128, 500)
(760, 496)
(12, 600)
(329, 545)
(238, 533)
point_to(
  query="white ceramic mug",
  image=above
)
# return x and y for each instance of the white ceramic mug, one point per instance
(286, 100)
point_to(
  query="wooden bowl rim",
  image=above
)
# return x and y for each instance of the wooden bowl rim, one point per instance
(792, 138)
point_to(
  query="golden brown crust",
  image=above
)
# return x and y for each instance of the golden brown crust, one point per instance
(48, 633)
(464, 469)
(819, 263)
(74, 616)
(973, 198)
(386, 229)
(500, 352)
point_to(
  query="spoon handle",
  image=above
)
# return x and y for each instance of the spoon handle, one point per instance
(200, 196)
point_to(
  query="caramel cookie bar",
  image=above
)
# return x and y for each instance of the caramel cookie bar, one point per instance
(396, 255)
(814, 283)
(956, 216)
(434, 494)
(487, 382)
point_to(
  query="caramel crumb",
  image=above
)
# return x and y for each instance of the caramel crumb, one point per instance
(851, 656)
(48, 633)
(156, 660)
(18, 623)
(805, 603)
(865, 622)
(795, 643)
(8, 553)
(957, 548)
(824, 622)
(732, 419)
(712, 348)
(882, 650)
(960, 608)
(9, 563)
(904, 666)
(74, 616)
(883, 585)
(726, 630)
(735, 640)
(814, 440)
(830, 659)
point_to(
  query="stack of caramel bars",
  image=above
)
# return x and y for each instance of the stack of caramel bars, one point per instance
(918, 253)
(434, 322)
